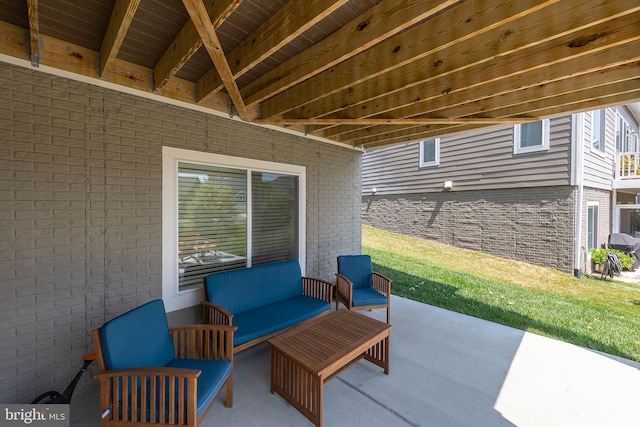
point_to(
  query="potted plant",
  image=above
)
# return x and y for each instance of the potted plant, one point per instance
(599, 257)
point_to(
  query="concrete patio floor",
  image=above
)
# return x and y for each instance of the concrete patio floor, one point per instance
(447, 369)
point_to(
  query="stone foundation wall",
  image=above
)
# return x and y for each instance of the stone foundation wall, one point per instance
(534, 225)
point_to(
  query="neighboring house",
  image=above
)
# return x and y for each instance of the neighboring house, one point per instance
(544, 192)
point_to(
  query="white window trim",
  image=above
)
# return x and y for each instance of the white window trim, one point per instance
(522, 150)
(436, 162)
(589, 205)
(603, 142)
(173, 298)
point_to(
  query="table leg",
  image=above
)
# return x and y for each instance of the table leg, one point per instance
(379, 354)
(301, 388)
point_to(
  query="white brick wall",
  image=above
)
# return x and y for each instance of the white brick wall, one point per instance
(80, 212)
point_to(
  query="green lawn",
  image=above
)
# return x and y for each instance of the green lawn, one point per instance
(599, 314)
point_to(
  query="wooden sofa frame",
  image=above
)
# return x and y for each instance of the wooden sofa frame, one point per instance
(313, 287)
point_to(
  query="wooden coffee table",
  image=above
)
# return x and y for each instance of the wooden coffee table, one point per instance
(305, 358)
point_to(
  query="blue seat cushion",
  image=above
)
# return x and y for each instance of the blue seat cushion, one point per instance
(246, 289)
(369, 296)
(357, 268)
(276, 316)
(138, 338)
(214, 374)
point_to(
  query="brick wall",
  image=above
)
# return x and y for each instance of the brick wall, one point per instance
(534, 225)
(81, 217)
(603, 199)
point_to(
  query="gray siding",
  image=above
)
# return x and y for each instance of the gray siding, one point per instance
(81, 212)
(475, 161)
(598, 166)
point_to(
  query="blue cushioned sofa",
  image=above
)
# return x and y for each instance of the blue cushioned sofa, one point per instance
(264, 301)
(156, 375)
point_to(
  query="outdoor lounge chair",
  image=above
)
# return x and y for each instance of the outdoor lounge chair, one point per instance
(156, 375)
(358, 287)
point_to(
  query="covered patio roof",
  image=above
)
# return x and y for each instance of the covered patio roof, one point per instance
(364, 73)
(447, 370)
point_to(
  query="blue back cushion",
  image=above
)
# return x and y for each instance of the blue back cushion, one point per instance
(357, 268)
(138, 338)
(249, 288)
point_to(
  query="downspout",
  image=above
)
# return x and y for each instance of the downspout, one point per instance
(577, 148)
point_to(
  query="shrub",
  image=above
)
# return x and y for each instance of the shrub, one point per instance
(599, 256)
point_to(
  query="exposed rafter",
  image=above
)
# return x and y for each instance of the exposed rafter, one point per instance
(187, 43)
(606, 44)
(200, 18)
(381, 22)
(408, 51)
(396, 122)
(288, 23)
(121, 17)
(34, 32)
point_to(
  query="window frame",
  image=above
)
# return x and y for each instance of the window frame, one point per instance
(601, 131)
(175, 299)
(517, 138)
(435, 162)
(595, 218)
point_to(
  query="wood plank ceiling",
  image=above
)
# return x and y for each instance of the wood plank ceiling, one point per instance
(366, 73)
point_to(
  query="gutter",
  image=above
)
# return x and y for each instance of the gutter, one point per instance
(577, 148)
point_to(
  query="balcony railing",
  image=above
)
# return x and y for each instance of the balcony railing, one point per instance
(628, 165)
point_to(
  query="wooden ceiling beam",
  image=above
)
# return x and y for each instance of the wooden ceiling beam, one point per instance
(519, 102)
(617, 94)
(200, 18)
(492, 56)
(377, 24)
(467, 21)
(560, 101)
(34, 32)
(479, 101)
(121, 17)
(188, 41)
(522, 35)
(506, 73)
(396, 122)
(588, 105)
(288, 23)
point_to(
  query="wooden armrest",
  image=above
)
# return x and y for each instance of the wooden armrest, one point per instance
(381, 283)
(148, 372)
(343, 289)
(318, 288)
(213, 342)
(213, 314)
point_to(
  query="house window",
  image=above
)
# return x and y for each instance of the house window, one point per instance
(430, 152)
(592, 226)
(222, 213)
(597, 130)
(626, 138)
(531, 137)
